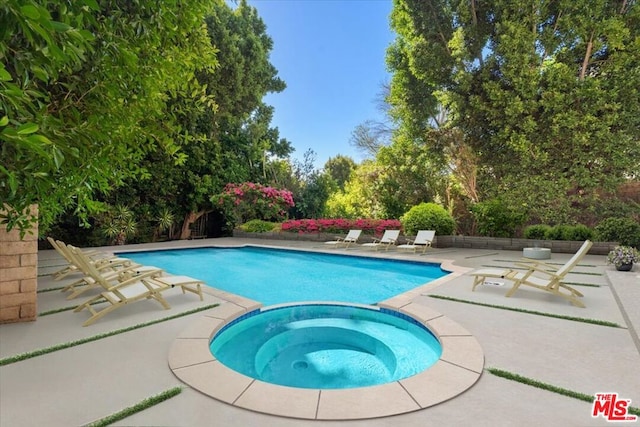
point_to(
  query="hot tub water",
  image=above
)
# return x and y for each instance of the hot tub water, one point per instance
(326, 346)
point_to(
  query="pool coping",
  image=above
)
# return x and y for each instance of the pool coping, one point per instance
(458, 369)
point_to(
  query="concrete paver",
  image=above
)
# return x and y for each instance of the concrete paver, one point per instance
(87, 382)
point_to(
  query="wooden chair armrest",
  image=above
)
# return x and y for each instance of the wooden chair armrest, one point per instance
(139, 278)
(131, 275)
(540, 267)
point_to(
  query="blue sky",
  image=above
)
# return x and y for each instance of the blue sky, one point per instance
(331, 55)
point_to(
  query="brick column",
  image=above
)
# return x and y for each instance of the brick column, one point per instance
(18, 274)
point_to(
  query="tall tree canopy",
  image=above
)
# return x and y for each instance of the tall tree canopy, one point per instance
(339, 168)
(233, 142)
(85, 90)
(546, 93)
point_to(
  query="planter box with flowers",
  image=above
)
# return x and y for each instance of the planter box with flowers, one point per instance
(623, 257)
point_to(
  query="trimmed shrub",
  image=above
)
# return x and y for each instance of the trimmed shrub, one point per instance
(537, 232)
(496, 218)
(559, 232)
(257, 226)
(625, 231)
(580, 232)
(428, 216)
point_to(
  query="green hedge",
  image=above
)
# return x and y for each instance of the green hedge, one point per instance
(258, 226)
(559, 232)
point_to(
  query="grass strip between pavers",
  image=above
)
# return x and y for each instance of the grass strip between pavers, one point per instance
(587, 285)
(42, 351)
(60, 310)
(138, 407)
(548, 387)
(537, 313)
(59, 288)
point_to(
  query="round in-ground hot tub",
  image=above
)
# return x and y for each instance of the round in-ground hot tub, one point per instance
(458, 367)
(326, 346)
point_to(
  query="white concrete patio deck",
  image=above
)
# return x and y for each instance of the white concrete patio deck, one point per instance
(87, 382)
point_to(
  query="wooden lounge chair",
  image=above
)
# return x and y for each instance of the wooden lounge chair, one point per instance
(97, 257)
(538, 275)
(111, 272)
(121, 292)
(388, 239)
(130, 286)
(125, 292)
(422, 241)
(351, 237)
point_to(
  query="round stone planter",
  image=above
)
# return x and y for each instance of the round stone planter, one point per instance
(536, 253)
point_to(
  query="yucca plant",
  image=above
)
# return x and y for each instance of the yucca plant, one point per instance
(164, 222)
(119, 224)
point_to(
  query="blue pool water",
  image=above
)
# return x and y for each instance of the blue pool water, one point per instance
(275, 276)
(326, 346)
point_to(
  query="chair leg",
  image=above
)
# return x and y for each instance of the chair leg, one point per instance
(197, 290)
(514, 288)
(98, 314)
(87, 304)
(478, 280)
(573, 298)
(570, 289)
(575, 301)
(156, 296)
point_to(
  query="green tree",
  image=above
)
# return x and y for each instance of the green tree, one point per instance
(359, 199)
(545, 93)
(314, 194)
(237, 140)
(231, 143)
(339, 168)
(85, 89)
(412, 173)
(311, 187)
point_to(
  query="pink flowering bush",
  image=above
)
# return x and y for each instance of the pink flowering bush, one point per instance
(368, 226)
(245, 201)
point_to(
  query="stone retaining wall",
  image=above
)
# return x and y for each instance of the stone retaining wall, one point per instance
(492, 243)
(506, 244)
(18, 275)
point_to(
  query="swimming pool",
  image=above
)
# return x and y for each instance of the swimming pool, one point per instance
(459, 365)
(326, 346)
(275, 276)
